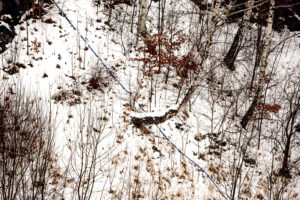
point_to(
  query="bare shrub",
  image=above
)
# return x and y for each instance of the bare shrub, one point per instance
(27, 161)
(88, 157)
(99, 79)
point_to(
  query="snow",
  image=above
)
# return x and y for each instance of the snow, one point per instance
(6, 16)
(160, 112)
(133, 159)
(5, 25)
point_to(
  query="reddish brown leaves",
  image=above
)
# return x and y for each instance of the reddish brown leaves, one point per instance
(263, 110)
(161, 55)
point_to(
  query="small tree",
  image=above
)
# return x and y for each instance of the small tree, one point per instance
(289, 128)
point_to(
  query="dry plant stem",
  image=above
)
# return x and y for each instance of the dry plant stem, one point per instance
(122, 28)
(27, 37)
(86, 159)
(132, 18)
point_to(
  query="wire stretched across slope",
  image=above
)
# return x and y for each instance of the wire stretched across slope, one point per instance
(128, 92)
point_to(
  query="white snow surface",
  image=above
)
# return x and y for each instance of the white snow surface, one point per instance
(5, 25)
(133, 164)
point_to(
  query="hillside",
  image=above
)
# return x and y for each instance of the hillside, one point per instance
(170, 99)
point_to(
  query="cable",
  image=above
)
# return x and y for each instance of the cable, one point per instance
(127, 91)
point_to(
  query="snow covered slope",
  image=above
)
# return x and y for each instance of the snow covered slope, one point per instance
(101, 155)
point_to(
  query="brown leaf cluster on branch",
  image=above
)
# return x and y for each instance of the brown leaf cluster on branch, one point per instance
(161, 55)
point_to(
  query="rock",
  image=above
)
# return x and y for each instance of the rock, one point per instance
(6, 35)
(11, 12)
(297, 127)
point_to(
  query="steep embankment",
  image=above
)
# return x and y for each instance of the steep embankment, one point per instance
(102, 155)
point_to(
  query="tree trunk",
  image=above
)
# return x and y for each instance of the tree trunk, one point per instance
(142, 28)
(264, 61)
(1, 5)
(258, 54)
(284, 171)
(41, 5)
(232, 53)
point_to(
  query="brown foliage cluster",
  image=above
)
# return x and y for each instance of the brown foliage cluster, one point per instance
(160, 55)
(263, 110)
